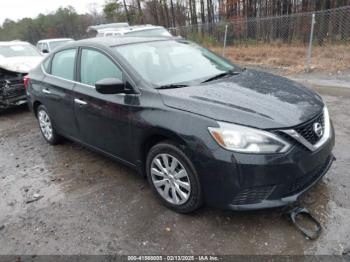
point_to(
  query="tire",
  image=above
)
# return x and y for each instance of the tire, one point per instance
(180, 178)
(46, 126)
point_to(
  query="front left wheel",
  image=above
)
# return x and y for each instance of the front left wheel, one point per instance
(173, 177)
(46, 126)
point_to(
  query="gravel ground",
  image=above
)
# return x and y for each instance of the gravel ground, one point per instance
(92, 205)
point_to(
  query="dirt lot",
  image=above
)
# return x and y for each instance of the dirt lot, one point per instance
(92, 205)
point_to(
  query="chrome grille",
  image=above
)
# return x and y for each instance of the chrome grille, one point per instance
(307, 131)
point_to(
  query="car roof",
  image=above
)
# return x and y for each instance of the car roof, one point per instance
(130, 29)
(15, 42)
(54, 40)
(117, 41)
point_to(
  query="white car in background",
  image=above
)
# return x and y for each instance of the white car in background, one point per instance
(140, 30)
(17, 58)
(120, 29)
(46, 46)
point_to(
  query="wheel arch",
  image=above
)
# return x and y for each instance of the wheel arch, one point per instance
(36, 104)
(154, 137)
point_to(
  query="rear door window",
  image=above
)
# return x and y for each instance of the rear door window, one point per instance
(63, 64)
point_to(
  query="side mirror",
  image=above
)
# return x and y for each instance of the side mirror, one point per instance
(111, 86)
(45, 51)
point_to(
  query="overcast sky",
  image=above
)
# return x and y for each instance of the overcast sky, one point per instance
(17, 9)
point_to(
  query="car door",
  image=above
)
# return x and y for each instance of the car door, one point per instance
(57, 91)
(103, 119)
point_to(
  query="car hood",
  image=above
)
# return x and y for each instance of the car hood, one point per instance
(252, 98)
(22, 64)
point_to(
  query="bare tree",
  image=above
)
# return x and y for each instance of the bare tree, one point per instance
(193, 11)
(172, 13)
(202, 11)
(126, 11)
(139, 11)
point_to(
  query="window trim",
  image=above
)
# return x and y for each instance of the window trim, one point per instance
(43, 64)
(77, 67)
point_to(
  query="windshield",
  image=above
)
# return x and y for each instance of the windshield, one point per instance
(173, 62)
(18, 50)
(149, 32)
(56, 44)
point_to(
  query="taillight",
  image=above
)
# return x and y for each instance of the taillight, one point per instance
(26, 81)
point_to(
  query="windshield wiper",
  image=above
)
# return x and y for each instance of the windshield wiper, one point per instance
(171, 86)
(227, 73)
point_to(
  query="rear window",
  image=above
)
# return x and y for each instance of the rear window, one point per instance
(62, 64)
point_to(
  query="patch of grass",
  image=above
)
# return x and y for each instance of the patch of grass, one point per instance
(203, 39)
(292, 59)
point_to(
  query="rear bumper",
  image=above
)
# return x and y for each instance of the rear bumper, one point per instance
(246, 181)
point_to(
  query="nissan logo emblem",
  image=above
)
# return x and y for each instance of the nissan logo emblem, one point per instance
(318, 129)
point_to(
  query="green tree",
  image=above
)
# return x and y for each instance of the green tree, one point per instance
(110, 10)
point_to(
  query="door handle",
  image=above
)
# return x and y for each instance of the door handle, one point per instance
(46, 91)
(80, 102)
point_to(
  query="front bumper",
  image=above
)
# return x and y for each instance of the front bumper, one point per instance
(12, 93)
(279, 195)
(14, 101)
(246, 182)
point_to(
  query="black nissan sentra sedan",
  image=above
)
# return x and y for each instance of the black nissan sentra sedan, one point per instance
(200, 128)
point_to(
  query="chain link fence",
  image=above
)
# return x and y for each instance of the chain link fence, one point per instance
(300, 41)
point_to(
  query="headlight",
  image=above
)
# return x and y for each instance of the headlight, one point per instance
(247, 140)
(327, 123)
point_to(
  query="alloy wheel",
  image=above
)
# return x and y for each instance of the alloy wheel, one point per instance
(170, 178)
(45, 124)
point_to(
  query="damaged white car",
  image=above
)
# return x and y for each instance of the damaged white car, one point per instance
(16, 60)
